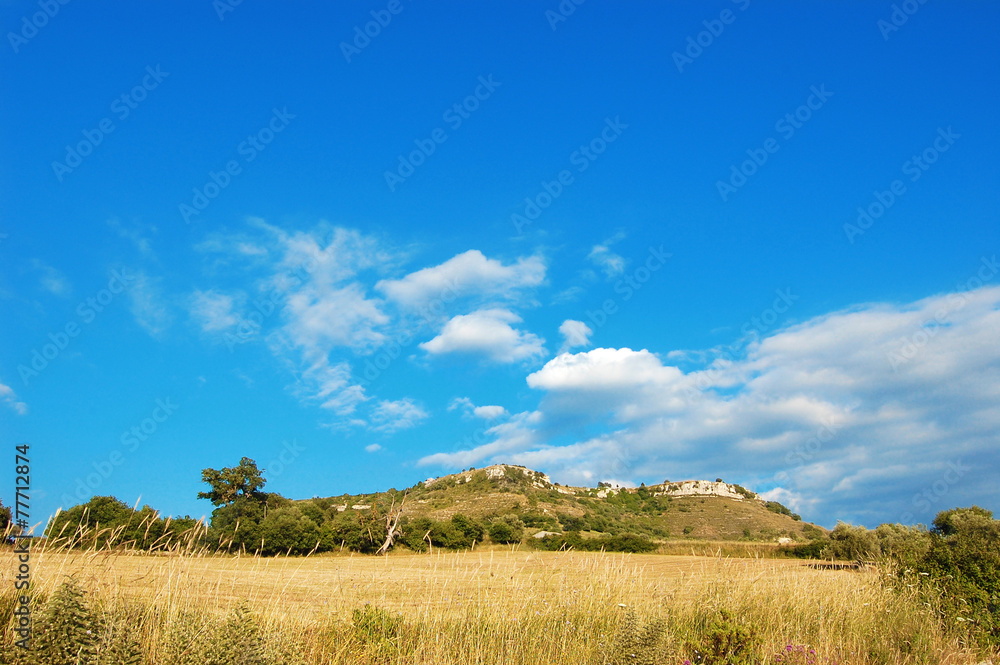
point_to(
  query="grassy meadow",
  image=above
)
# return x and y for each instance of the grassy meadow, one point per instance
(490, 605)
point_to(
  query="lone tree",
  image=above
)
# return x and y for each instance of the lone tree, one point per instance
(240, 505)
(234, 483)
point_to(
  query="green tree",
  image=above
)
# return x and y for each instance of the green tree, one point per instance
(507, 529)
(286, 529)
(233, 483)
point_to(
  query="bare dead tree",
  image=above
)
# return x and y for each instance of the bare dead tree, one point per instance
(392, 525)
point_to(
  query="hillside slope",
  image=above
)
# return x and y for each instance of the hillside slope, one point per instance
(694, 509)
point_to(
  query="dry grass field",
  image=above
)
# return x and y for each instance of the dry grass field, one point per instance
(494, 606)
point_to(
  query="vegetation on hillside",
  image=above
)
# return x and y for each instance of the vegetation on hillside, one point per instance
(954, 565)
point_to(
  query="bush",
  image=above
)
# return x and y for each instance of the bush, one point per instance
(725, 642)
(288, 530)
(776, 507)
(627, 542)
(506, 530)
(413, 532)
(811, 550)
(64, 636)
(963, 562)
(240, 641)
(380, 631)
(853, 543)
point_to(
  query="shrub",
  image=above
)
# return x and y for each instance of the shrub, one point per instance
(286, 529)
(811, 550)
(776, 507)
(963, 561)
(379, 630)
(239, 642)
(725, 642)
(506, 530)
(413, 532)
(853, 543)
(626, 542)
(636, 644)
(65, 634)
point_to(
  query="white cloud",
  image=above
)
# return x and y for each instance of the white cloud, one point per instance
(391, 416)
(147, 304)
(9, 397)
(51, 279)
(575, 333)
(877, 412)
(331, 386)
(611, 264)
(373, 448)
(461, 402)
(311, 307)
(469, 273)
(510, 437)
(321, 318)
(572, 294)
(487, 332)
(134, 233)
(488, 412)
(214, 310)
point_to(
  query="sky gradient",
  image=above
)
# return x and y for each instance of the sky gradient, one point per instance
(619, 242)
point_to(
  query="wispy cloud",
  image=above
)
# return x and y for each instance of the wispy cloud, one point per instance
(136, 233)
(333, 304)
(610, 263)
(148, 304)
(391, 416)
(215, 311)
(51, 279)
(9, 397)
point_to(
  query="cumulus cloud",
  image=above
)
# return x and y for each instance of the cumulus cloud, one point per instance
(575, 333)
(469, 273)
(877, 412)
(373, 448)
(489, 412)
(390, 416)
(9, 397)
(487, 332)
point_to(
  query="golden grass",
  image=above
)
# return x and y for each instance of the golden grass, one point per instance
(509, 606)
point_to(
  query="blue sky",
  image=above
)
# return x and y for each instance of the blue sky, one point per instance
(620, 243)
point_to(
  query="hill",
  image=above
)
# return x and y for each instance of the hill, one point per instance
(696, 509)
